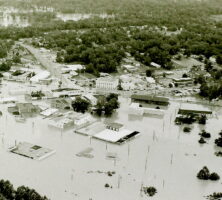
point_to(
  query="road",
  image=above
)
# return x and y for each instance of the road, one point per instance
(52, 67)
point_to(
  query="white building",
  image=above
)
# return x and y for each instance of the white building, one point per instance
(40, 76)
(107, 83)
(153, 64)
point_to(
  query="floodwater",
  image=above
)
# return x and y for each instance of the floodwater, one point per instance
(162, 156)
(76, 17)
(10, 16)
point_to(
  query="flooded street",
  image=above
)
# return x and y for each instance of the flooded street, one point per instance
(162, 156)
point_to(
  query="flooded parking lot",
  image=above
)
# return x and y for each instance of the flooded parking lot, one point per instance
(162, 156)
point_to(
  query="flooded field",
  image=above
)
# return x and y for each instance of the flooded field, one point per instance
(162, 156)
(10, 16)
(77, 17)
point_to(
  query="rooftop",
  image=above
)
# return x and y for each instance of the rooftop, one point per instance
(115, 125)
(150, 98)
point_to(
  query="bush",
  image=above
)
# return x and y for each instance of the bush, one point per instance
(201, 141)
(204, 173)
(202, 119)
(17, 73)
(215, 196)
(218, 153)
(205, 134)
(218, 142)
(16, 113)
(186, 129)
(150, 191)
(184, 75)
(214, 176)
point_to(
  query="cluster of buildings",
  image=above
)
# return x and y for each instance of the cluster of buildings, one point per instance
(28, 75)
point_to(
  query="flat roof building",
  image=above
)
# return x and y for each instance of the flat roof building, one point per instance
(159, 100)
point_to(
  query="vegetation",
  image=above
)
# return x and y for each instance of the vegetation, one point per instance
(218, 153)
(147, 30)
(214, 176)
(17, 73)
(5, 66)
(186, 119)
(218, 141)
(215, 196)
(204, 134)
(149, 72)
(150, 191)
(202, 119)
(204, 174)
(186, 129)
(38, 94)
(7, 192)
(201, 140)
(80, 105)
(107, 105)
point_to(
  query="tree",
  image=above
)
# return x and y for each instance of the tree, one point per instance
(205, 134)
(150, 191)
(218, 141)
(202, 119)
(80, 105)
(149, 72)
(108, 109)
(6, 189)
(208, 66)
(214, 176)
(184, 75)
(203, 174)
(219, 59)
(107, 104)
(16, 59)
(112, 96)
(5, 66)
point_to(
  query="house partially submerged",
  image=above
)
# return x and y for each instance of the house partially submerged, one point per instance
(31, 151)
(182, 81)
(186, 110)
(158, 100)
(115, 133)
(61, 122)
(24, 109)
(135, 109)
(111, 132)
(60, 103)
